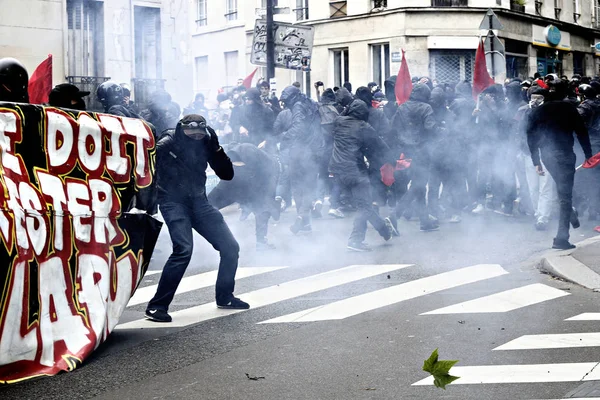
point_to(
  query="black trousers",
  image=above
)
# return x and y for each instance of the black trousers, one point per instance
(197, 214)
(360, 189)
(561, 167)
(418, 174)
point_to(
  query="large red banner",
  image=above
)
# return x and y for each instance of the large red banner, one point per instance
(70, 259)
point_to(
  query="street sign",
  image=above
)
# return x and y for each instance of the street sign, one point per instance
(492, 43)
(597, 46)
(262, 12)
(293, 45)
(491, 21)
(496, 63)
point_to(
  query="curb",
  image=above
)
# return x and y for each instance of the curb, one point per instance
(562, 264)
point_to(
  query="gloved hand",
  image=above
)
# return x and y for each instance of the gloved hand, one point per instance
(213, 141)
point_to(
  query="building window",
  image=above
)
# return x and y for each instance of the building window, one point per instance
(557, 8)
(201, 73)
(379, 4)
(301, 10)
(380, 61)
(576, 11)
(341, 67)
(451, 66)
(579, 63)
(538, 7)
(338, 9)
(231, 68)
(85, 21)
(597, 14)
(231, 10)
(201, 14)
(148, 60)
(449, 3)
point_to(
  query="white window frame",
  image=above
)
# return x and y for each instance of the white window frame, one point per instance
(382, 67)
(201, 13)
(343, 78)
(231, 10)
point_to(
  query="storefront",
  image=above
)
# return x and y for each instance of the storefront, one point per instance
(552, 45)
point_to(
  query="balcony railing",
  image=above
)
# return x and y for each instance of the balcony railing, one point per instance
(301, 13)
(517, 7)
(449, 3)
(143, 90)
(89, 84)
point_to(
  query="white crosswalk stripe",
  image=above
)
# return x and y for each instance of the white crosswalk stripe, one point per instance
(508, 300)
(271, 295)
(585, 317)
(188, 284)
(534, 373)
(392, 295)
(555, 341)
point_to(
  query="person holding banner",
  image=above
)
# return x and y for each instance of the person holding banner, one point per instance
(183, 155)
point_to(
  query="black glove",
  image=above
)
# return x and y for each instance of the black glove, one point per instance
(213, 141)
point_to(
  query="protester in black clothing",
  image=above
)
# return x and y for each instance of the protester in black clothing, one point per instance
(67, 96)
(354, 139)
(110, 94)
(183, 155)
(158, 112)
(256, 120)
(283, 122)
(550, 130)
(328, 114)
(196, 107)
(589, 110)
(254, 184)
(14, 81)
(343, 98)
(416, 128)
(305, 144)
(390, 93)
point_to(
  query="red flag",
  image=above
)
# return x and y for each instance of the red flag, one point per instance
(481, 77)
(387, 174)
(40, 83)
(404, 84)
(248, 81)
(593, 162)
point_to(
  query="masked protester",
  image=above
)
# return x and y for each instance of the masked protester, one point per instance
(390, 93)
(183, 155)
(68, 96)
(160, 112)
(416, 127)
(305, 144)
(254, 185)
(589, 110)
(111, 95)
(328, 113)
(256, 122)
(550, 130)
(196, 107)
(14, 81)
(353, 140)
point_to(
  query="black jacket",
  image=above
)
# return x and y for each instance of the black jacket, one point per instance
(590, 112)
(123, 111)
(353, 140)
(304, 132)
(550, 128)
(182, 162)
(258, 119)
(414, 121)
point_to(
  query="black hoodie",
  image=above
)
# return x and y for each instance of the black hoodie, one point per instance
(181, 165)
(353, 139)
(414, 121)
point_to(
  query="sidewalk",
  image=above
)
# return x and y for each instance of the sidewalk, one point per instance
(580, 266)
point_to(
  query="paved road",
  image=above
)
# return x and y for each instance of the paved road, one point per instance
(329, 324)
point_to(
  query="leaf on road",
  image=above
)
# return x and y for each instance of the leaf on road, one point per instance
(254, 378)
(439, 370)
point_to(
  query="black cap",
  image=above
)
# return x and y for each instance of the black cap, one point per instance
(68, 90)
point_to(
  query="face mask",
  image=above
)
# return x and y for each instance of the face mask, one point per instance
(536, 101)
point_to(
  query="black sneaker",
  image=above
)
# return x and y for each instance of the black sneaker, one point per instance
(158, 315)
(359, 247)
(430, 226)
(316, 211)
(390, 224)
(561, 244)
(575, 219)
(234, 304)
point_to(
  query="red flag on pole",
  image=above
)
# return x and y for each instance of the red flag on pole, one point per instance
(248, 80)
(481, 77)
(404, 84)
(40, 83)
(592, 162)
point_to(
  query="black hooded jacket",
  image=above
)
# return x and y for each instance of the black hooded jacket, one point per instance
(181, 166)
(414, 121)
(463, 121)
(550, 128)
(344, 98)
(257, 118)
(377, 118)
(304, 132)
(353, 139)
(590, 112)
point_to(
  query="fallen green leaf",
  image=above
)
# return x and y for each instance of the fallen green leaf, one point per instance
(440, 370)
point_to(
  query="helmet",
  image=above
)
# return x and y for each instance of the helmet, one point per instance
(109, 94)
(587, 91)
(14, 81)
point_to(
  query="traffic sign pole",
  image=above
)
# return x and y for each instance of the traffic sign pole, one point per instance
(270, 42)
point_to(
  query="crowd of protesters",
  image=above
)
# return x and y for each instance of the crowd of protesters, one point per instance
(436, 156)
